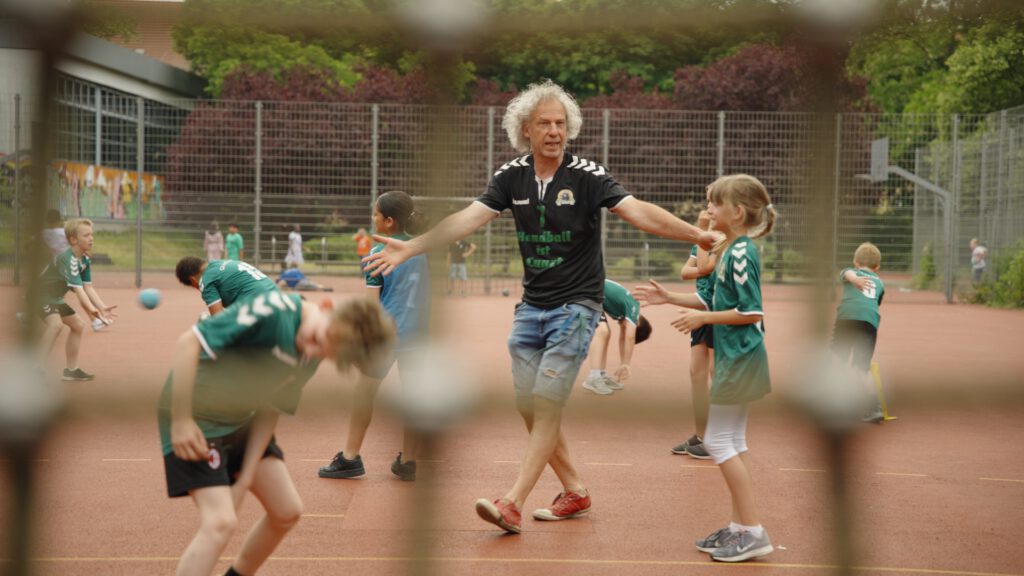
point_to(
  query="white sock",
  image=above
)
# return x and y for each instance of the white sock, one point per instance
(596, 373)
(734, 527)
(756, 531)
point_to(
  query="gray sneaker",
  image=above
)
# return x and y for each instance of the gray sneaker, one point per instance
(697, 450)
(716, 540)
(681, 448)
(743, 547)
(596, 385)
(611, 383)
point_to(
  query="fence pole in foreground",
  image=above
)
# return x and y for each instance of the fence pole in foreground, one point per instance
(257, 227)
(1001, 171)
(951, 207)
(140, 149)
(487, 232)
(17, 189)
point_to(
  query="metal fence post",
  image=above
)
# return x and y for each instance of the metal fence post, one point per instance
(605, 140)
(257, 227)
(98, 131)
(835, 194)
(1001, 203)
(951, 207)
(17, 189)
(374, 141)
(140, 149)
(918, 232)
(487, 232)
(720, 167)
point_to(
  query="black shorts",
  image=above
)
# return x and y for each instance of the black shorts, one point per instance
(855, 338)
(704, 335)
(63, 309)
(219, 469)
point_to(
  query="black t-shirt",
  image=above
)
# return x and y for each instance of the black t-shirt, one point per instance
(559, 235)
(457, 251)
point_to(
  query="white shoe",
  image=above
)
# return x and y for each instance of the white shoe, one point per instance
(98, 325)
(611, 383)
(597, 385)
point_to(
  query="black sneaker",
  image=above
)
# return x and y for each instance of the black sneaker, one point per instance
(697, 450)
(77, 375)
(341, 467)
(404, 470)
(681, 448)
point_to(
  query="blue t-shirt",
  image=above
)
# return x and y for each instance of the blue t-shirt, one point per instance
(405, 295)
(292, 277)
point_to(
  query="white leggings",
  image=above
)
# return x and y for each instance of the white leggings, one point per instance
(726, 434)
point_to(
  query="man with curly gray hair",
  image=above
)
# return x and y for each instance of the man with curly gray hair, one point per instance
(556, 199)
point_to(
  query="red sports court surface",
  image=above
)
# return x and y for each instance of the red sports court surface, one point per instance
(938, 491)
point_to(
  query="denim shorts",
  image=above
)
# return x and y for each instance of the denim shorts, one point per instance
(548, 347)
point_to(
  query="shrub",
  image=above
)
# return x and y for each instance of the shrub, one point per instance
(925, 277)
(1006, 288)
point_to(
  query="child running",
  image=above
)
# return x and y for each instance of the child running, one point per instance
(222, 282)
(405, 295)
(857, 320)
(71, 270)
(232, 374)
(619, 305)
(740, 208)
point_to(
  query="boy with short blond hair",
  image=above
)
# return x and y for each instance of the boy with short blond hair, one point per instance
(857, 318)
(71, 270)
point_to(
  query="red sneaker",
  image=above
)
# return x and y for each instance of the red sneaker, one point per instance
(566, 505)
(502, 513)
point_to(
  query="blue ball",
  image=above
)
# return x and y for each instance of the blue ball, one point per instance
(149, 298)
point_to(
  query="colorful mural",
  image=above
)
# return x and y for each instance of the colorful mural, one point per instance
(87, 191)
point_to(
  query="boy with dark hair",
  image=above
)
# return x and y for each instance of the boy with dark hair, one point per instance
(857, 319)
(222, 282)
(619, 305)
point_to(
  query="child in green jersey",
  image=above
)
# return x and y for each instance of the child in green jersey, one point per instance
(232, 374)
(71, 270)
(221, 282)
(620, 306)
(741, 210)
(857, 319)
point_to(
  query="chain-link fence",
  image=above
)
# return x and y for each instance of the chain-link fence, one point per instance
(269, 166)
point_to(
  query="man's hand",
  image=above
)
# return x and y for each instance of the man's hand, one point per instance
(650, 295)
(384, 262)
(862, 283)
(707, 240)
(689, 320)
(188, 440)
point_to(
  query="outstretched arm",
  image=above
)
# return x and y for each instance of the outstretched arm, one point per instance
(455, 227)
(656, 220)
(690, 320)
(657, 294)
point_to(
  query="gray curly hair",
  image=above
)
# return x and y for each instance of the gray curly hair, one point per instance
(520, 108)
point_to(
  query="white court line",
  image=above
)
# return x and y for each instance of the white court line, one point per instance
(323, 515)
(1002, 480)
(698, 466)
(315, 460)
(607, 463)
(815, 470)
(506, 461)
(127, 460)
(901, 474)
(432, 461)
